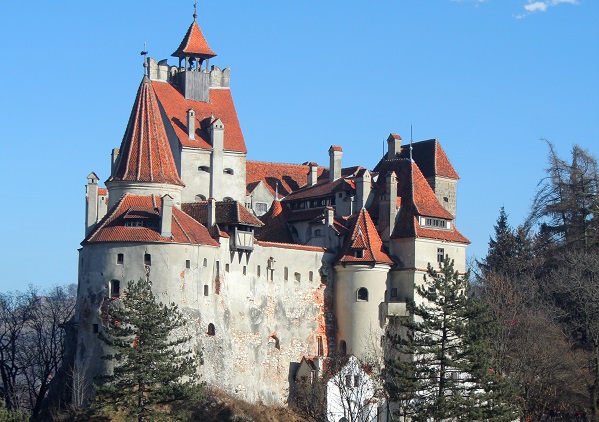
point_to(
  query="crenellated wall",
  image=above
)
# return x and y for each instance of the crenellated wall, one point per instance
(162, 71)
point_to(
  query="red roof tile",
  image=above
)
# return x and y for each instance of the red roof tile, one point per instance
(290, 177)
(227, 213)
(321, 189)
(102, 191)
(145, 154)
(220, 106)
(365, 238)
(275, 225)
(336, 148)
(194, 44)
(147, 208)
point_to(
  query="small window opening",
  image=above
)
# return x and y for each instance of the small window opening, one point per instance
(286, 274)
(297, 277)
(348, 380)
(227, 268)
(205, 263)
(363, 294)
(258, 270)
(96, 328)
(343, 348)
(356, 380)
(115, 288)
(120, 259)
(228, 171)
(147, 259)
(394, 292)
(311, 276)
(187, 264)
(211, 329)
(244, 270)
(440, 254)
(204, 168)
(359, 253)
(205, 290)
(320, 346)
(317, 232)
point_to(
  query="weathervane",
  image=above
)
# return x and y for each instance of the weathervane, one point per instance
(145, 54)
(195, 5)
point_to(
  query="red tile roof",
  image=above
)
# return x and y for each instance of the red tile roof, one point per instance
(290, 177)
(275, 225)
(147, 208)
(194, 44)
(336, 148)
(145, 154)
(407, 226)
(220, 106)
(365, 238)
(102, 191)
(227, 213)
(322, 189)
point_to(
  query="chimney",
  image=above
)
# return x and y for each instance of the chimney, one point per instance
(191, 124)
(166, 216)
(211, 212)
(393, 146)
(363, 187)
(329, 216)
(392, 195)
(91, 206)
(217, 138)
(114, 157)
(335, 153)
(313, 174)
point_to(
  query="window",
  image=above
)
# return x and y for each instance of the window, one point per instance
(348, 380)
(343, 348)
(317, 232)
(261, 207)
(147, 259)
(227, 268)
(96, 328)
(205, 263)
(228, 199)
(199, 197)
(356, 380)
(320, 346)
(286, 274)
(115, 288)
(187, 264)
(205, 290)
(394, 292)
(211, 329)
(297, 277)
(436, 223)
(120, 259)
(311, 276)
(228, 171)
(440, 254)
(258, 270)
(244, 270)
(359, 253)
(363, 294)
(204, 169)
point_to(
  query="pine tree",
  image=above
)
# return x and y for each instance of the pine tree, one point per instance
(449, 367)
(151, 365)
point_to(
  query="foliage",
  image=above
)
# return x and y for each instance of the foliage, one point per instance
(151, 366)
(448, 370)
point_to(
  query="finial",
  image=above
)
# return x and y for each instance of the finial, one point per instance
(411, 143)
(145, 53)
(195, 14)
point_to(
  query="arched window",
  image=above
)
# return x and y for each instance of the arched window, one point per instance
(363, 294)
(342, 348)
(200, 197)
(211, 329)
(228, 171)
(228, 199)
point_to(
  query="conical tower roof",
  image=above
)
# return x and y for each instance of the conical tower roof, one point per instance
(145, 154)
(194, 44)
(363, 245)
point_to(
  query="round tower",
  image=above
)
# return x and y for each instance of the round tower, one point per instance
(360, 282)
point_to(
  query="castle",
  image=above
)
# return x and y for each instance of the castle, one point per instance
(273, 264)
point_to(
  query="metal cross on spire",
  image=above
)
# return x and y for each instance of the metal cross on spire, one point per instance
(145, 54)
(195, 12)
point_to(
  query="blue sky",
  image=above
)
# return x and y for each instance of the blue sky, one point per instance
(488, 78)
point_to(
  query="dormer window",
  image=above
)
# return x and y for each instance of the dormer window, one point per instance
(359, 253)
(435, 223)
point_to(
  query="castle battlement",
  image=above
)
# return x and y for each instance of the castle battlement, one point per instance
(163, 72)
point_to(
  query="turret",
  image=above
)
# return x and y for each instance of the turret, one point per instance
(91, 204)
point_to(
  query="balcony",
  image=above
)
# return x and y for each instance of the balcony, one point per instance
(243, 240)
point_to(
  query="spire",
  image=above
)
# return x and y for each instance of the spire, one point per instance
(194, 44)
(145, 154)
(363, 245)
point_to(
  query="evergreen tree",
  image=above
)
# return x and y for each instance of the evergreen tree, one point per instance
(151, 365)
(449, 367)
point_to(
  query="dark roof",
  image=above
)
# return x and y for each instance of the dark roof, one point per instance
(275, 227)
(227, 213)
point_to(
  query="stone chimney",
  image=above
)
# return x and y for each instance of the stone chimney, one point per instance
(335, 153)
(392, 195)
(191, 124)
(166, 216)
(393, 146)
(313, 174)
(211, 212)
(217, 138)
(114, 159)
(363, 181)
(91, 205)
